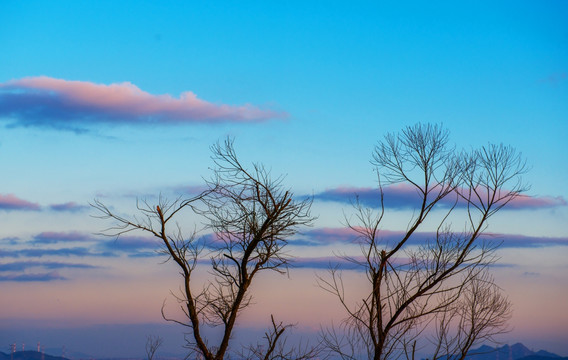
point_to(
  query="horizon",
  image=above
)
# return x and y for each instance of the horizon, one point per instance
(119, 101)
(43, 350)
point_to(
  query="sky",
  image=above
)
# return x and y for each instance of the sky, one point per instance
(119, 100)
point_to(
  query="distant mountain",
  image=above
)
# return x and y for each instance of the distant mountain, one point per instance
(514, 352)
(69, 353)
(29, 355)
(546, 354)
(546, 357)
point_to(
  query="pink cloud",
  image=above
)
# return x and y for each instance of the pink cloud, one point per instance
(45, 101)
(12, 202)
(528, 202)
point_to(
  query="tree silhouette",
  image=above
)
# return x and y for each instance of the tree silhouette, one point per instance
(153, 343)
(250, 216)
(437, 292)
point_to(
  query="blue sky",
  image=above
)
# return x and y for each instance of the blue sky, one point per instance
(307, 88)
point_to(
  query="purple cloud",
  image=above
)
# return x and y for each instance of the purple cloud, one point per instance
(132, 243)
(50, 237)
(534, 202)
(12, 202)
(327, 236)
(25, 265)
(345, 235)
(395, 196)
(522, 241)
(68, 206)
(341, 262)
(324, 262)
(136, 246)
(66, 252)
(12, 240)
(50, 276)
(401, 196)
(70, 105)
(77, 251)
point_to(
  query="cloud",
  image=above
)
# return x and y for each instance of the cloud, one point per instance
(132, 244)
(50, 276)
(125, 244)
(11, 240)
(135, 246)
(50, 237)
(345, 235)
(340, 262)
(530, 202)
(12, 202)
(522, 241)
(73, 105)
(76, 251)
(342, 236)
(531, 274)
(65, 252)
(17, 271)
(396, 196)
(403, 196)
(325, 262)
(325, 236)
(68, 206)
(52, 265)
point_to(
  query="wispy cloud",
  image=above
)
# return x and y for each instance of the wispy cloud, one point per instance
(42, 277)
(325, 236)
(340, 262)
(325, 262)
(37, 271)
(68, 207)
(536, 202)
(12, 202)
(51, 237)
(63, 252)
(52, 265)
(74, 105)
(131, 244)
(344, 236)
(401, 196)
(135, 246)
(522, 241)
(11, 240)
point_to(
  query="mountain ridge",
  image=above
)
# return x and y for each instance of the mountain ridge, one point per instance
(516, 351)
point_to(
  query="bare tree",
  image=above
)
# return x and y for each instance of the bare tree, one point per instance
(440, 286)
(275, 347)
(153, 343)
(251, 216)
